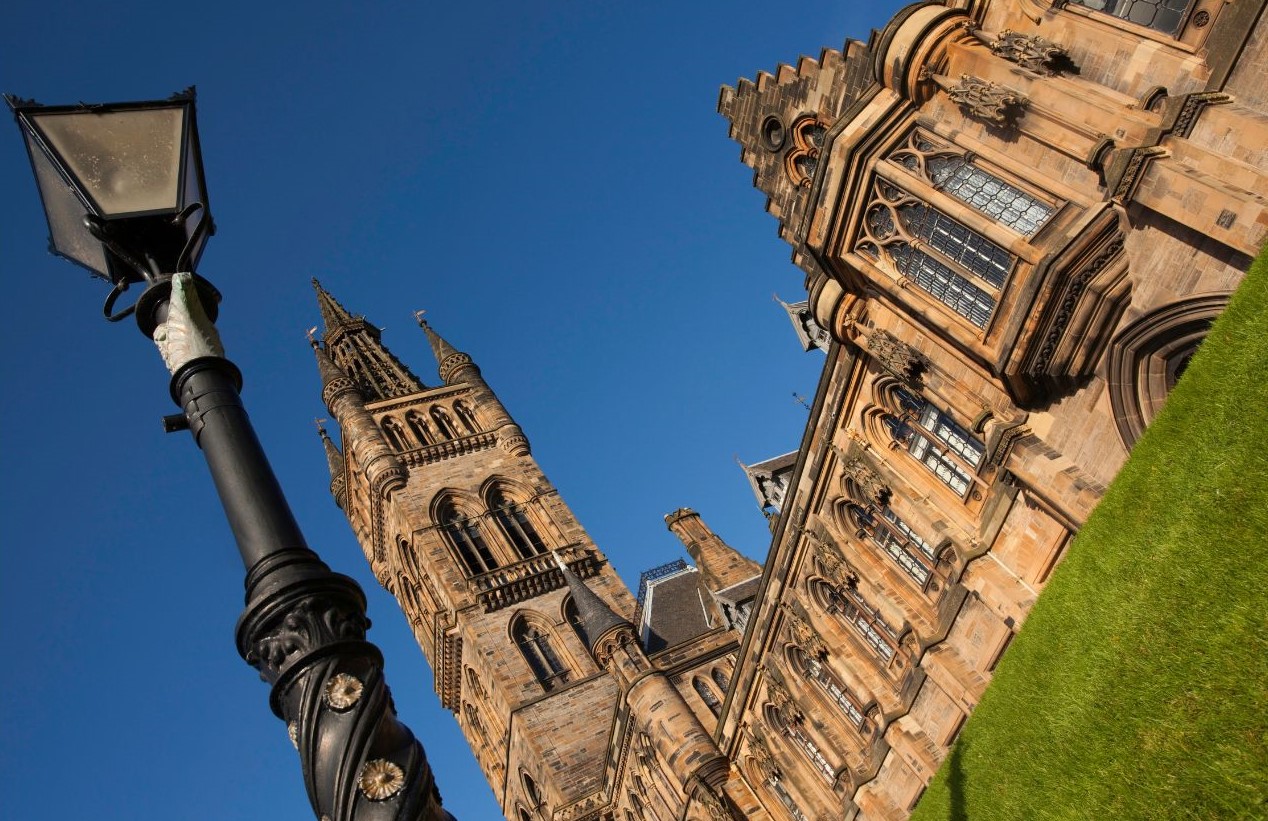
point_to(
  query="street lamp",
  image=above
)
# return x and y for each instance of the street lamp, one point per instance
(124, 193)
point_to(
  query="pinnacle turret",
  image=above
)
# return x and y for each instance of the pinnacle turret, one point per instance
(334, 461)
(449, 360)
(595, 617)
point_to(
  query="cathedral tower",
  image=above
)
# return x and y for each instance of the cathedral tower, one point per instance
(460, 524)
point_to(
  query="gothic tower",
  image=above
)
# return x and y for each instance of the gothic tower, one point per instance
(459, 523)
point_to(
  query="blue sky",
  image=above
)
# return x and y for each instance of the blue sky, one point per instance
(550, 181)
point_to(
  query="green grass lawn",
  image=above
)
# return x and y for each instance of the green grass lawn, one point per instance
(1138, 687)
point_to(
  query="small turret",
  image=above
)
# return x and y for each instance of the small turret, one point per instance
(596, 619)
(452, 365)
(334, 461)
(721, 566)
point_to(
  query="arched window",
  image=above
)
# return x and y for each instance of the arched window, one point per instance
(720, 679)
(849, 605)
(935, 440)
(781, 792)
(803, 742)
(443, 423)
(524, 816)
(394, 434)
(531, 790)
(464, 537)
(466, 416)
(543, 659)
(898, 541)
(954, 172)
(954, 264)
(515, 525)
(707, 695)
(812, 669)
(418, 427)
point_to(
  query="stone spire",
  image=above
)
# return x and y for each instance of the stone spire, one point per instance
(334, 461)
(356, 346)
(721, 566)
(595, 617)
(449, 360)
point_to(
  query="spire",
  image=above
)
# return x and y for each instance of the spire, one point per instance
(595, 617)
(334, 459)
(326, 368)
(448, 358)
(721, 566)
(333, 314)
(355, 345)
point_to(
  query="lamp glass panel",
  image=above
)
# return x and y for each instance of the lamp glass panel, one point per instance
(65, 212)
(127, 161)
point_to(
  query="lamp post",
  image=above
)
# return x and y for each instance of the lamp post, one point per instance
(124, 193)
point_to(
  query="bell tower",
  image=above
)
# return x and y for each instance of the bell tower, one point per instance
(461, 525)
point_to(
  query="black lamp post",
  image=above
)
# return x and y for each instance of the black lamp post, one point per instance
(123, 189)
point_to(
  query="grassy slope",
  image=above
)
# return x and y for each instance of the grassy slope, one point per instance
(1139, 685)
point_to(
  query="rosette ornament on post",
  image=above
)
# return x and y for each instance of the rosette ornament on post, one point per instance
(124, 192)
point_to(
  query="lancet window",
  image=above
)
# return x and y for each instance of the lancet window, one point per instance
(537, 647)
(803, 742)
(515, 525)
(935, 440)
(394, 433)
(814, 670)
(418, 427)
(1166, 16)
(443, 423)
(848, 604)
(720, 679)
(896, 540)
(951, 262)
(781, 792)
(466, 416)
(707, 695)
(959, 174)
(466, 540)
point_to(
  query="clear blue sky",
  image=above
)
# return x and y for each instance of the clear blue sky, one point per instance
(549, 180)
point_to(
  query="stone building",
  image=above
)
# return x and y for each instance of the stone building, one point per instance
(1016, 221)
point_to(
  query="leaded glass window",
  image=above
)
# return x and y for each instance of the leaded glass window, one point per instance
(1165, 16)
(819, 674)
(958, 174)
(866, 621)
(910, 552)
(935, 440)
(812, 751)
(787, 800)
(952, 263)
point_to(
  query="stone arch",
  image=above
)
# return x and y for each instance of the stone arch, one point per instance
(516, 518)
(394, 433)
(464, 533)
(418, 427)
(1147, 357)
(541, 649)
